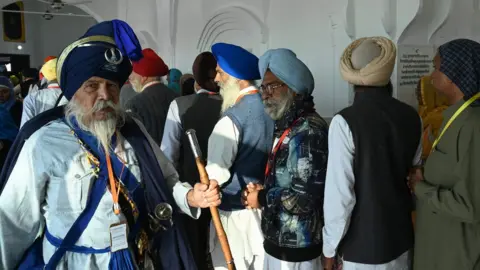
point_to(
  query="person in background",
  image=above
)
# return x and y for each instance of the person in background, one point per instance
(173, 79)
(8, 132)
(292, 195)
(17, 88)
(40, 101)
(43, 83)
(126, 93)
(448, 190)
(199, 112)
(187, 84)
(373, 145)
(87, 177)
(9, 101)
(30, 79)
(237, 155)
(150, 106)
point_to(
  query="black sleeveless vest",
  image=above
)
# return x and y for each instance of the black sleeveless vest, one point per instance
(386, 134)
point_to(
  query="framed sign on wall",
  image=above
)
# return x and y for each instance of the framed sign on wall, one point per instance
(13, 23)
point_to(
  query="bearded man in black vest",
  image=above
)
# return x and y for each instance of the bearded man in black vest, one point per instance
(373, 144)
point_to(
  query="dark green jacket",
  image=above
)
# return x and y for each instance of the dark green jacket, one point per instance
(447, 235)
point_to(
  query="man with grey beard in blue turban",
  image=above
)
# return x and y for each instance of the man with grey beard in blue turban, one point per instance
(292, 195)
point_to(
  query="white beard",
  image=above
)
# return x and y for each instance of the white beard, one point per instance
(229, 92)
(104, 129)
(136, 85)
(277, 107)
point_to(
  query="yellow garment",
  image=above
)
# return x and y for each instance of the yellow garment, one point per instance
(14, 79)
(49, 70)
(378, 71)
(431, 107)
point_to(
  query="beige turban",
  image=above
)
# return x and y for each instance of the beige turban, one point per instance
(49, 70)
(368, 61)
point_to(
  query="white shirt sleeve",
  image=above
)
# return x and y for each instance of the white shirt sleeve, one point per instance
(179, 189)
(28, 109)
(339, 185)
(21, 217)
(172, 134)
(222, 150)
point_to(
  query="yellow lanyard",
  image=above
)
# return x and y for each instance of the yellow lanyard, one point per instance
(455, 115)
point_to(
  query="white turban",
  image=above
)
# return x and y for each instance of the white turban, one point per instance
(373, 62)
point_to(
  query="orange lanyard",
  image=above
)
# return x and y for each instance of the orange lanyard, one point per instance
(251, 92)
(53, 87)
(113, 184)
(277, 146)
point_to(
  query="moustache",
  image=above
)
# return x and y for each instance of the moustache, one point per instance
(103, 104)
(270, 103)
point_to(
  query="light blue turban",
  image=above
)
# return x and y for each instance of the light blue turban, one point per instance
(289, 69)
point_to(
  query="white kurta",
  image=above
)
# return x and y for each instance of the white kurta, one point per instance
(50, 185)
(243, 228)
(172, 133)
(340, 196)
(40, 101)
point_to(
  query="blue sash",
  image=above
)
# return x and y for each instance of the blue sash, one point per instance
(34, 256)
(98, 190)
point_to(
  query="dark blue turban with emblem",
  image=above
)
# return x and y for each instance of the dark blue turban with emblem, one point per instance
(104, 51)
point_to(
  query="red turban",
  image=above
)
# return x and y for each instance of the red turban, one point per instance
(48, 58)
(151, 65)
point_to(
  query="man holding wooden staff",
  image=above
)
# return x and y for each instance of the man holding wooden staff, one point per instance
(237, 155)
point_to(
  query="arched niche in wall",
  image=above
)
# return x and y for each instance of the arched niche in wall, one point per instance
(234, 24)
(90, 12)
(371, 18)
(460, 20)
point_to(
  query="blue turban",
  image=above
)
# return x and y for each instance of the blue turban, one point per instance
(236, 61)
(174, 80)
(460, 62)
(6, 83)
(289, 69)
(104, 51)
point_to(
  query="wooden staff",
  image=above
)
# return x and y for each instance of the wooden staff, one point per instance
(204, 179)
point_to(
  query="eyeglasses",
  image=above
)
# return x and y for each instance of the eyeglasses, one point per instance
(268, 89)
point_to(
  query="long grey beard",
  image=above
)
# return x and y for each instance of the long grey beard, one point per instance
(277, 108)
(229, 92)
(103, 130)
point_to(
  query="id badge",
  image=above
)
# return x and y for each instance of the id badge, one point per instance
(118, 237)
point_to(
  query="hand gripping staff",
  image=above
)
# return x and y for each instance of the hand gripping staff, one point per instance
(192, 137)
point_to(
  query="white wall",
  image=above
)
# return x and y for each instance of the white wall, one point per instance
(44, 37)
(317, 30)
(61, 31)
